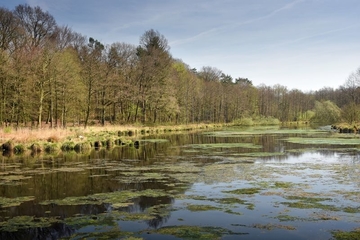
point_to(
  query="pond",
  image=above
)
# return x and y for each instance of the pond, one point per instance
(233, 183)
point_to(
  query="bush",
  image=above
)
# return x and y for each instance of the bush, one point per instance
(50, 147)
(8, 146)
(68, 146)
(18, 149)
(35, 148)
(84, 146)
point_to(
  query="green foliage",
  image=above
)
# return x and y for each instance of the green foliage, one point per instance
(68, 146)
(19, 148)
(326, 112)
(350, 113)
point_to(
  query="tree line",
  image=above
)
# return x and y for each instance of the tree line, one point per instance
(50, 74)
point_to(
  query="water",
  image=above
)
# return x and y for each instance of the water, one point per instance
(224, 184)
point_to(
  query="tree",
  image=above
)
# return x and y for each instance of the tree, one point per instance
(326, 112)
(91, 58)
(153, 72)
(39, 26)
(210, 74)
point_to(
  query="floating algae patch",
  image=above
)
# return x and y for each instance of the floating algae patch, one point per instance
(198, 208)
(261, 131)
(247, 191)
(195, 232)
(343, 235)
(283, 185)
(262, 154)
(13, 179)
(69, 169)
(234, 201)
(155, 140)
(310, 203)
(25, 222)
(325, 141)
(271, 226)
(104, 234)
(117, 199)
(13, 202)
(223, 145)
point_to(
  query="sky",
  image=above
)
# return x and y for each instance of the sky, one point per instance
(299, 44)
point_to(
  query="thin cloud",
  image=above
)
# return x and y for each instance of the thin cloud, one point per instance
(227, 26)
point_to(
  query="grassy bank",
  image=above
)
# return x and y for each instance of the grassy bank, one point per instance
(20, 140)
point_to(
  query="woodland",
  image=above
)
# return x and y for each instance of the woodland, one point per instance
(53, 76)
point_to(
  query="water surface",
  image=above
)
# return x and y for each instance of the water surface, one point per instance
(226, 184)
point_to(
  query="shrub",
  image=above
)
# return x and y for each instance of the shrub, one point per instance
(68, 146)
(82, 146)
(8, 146)
(35, 148)
(50, 147)
(18, 149)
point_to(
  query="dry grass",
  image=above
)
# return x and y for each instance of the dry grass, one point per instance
(26, 135)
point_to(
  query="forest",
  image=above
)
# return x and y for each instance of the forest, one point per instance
(53, 76)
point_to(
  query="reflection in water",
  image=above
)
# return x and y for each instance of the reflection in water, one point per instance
(172, 166)
(56, 231)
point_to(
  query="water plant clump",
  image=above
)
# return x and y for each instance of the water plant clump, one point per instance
(247, 191)
(198, 207)
(118, 199)
(346, 235)
(68, 146)
(51, 147)
(19, 149)
(195, 232)
(13, 202)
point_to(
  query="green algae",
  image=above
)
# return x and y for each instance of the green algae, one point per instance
(25, 222)
(199, 207)
(195, 232)
(283, 185)
(271, 226)
(261, 131)
(310, 203)
(104, 234)
(247, 191)
(117, 199)
(13, 202)
(155, 140)
(206, 146)
(325, 141)
(344, 235)
(262, 154)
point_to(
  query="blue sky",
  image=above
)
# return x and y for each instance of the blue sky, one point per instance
(302, 44)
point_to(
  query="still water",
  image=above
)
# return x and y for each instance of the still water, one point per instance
(235, 183)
